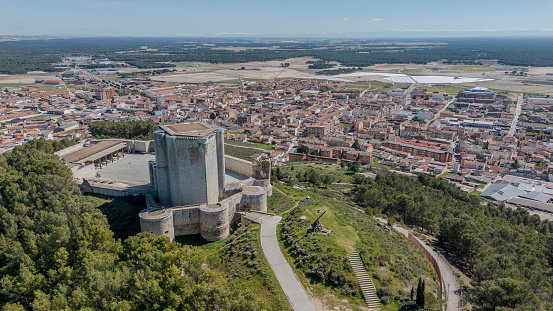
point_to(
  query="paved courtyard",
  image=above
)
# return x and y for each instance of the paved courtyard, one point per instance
(133, 168)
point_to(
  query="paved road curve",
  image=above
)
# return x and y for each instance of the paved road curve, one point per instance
(284, 273)
(452, 291)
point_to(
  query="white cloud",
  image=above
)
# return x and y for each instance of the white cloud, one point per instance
(376, 19)
(345, 18)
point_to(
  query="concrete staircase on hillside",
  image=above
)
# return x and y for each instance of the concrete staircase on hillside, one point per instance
(365, 282)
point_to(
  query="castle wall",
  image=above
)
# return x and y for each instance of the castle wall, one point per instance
(240, 166)
(235, 205)
(186, 220)
(158, 222)
(214, 221)
(212, 170)
(254, 199)
(221, 161)
(144, 146)
(112, 189)
(161, 169)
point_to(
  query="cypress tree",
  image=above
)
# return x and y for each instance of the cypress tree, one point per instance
(420, 294)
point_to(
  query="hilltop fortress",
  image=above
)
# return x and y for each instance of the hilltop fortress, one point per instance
(188, 176)
(190, 185)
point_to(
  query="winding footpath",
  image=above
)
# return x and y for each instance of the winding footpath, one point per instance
(290, 284)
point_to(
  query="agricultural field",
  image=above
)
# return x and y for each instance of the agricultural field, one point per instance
(473, 68)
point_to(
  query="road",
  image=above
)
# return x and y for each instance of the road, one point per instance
(451, 286)
(364, 91)
(288, 281)
(515, 118)
(442, 110)
(408, 93)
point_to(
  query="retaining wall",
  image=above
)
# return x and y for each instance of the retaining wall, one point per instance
(430, 258)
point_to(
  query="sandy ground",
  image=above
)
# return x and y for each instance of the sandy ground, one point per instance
(197, 77)
(24, 79)
(231, 73)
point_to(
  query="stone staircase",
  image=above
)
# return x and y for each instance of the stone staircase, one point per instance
(365, 282)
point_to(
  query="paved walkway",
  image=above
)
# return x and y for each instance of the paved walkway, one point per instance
(284, 273)
(452, 292)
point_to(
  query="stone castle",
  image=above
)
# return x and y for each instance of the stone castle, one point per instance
(189, 177)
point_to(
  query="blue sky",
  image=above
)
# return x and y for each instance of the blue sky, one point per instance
(276, 18)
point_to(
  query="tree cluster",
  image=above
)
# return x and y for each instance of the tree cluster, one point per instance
(507, 252)
(313, 177)
(57, 252)
(141, 130)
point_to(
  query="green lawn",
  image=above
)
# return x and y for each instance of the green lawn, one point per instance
(241, 152)
(341, 175)
(377, 164)
(240, 257)
(248, 144)
(391, 260)
(42, 116)
(357, 85)
(183, 64)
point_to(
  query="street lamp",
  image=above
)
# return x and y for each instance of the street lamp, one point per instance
(447, 296)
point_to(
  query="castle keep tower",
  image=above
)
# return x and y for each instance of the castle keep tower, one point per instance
(188, 176)
(190, 164)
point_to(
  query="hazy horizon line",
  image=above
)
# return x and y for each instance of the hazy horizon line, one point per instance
(412, 35)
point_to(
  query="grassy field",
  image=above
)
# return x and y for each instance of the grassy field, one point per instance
(449, 89)
(248, 144)
(383, 86)
(473, 68)
(240, 256)
(377, 164)
(42, 116)
(390, 259)
(358, 85)
(241, 152)
(341, 175)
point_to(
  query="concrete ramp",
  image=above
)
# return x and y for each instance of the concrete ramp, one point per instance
(256, 217)
(285, 275)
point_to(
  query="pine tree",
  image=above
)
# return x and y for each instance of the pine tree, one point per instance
(412, 293)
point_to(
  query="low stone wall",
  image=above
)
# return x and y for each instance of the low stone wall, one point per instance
(113, 189)
(240, 166)
(144, 146)
(430, 258)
